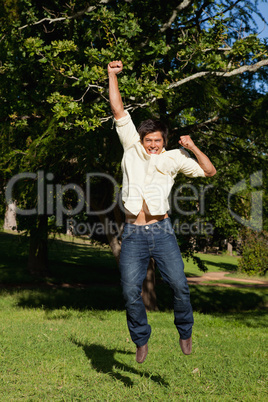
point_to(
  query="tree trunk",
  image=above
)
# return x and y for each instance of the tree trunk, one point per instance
(229, 249)
(148, 289)
(115, 247)
(112, 238)
(10, 217)
(38, 251)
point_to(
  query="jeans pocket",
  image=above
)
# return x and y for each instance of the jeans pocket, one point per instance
(127, 232)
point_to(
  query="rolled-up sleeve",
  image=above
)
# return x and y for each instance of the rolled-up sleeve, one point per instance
(187, 165)
(126, 131)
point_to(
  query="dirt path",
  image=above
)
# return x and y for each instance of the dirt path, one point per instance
(219, 276)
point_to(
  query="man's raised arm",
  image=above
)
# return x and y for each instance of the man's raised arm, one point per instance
(125, 128)
(114, 68)
(202, 159)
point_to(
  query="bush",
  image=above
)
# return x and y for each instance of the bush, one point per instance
(254, 249)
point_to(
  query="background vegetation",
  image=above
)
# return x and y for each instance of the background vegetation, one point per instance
(200, 66)
(254, 252)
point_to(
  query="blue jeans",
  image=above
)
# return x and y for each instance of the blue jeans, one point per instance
(139, 244)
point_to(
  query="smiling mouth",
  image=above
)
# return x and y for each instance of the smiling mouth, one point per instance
(152, 151)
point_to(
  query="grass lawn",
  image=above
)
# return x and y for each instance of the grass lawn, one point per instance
(214, 263)
(70, 343)
(70, 355)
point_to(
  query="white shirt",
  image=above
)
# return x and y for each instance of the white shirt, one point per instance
(150, 177)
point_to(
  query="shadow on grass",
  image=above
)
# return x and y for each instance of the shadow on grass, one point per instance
(224, 266)
(84, 253)
(99, 279)
(208, 299)
(68, 262)
(94, 297)
(230, 302)
(205, 299)
(256, 319)
(13, 262)
(103, 361)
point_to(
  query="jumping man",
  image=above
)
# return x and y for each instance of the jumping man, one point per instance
(148, 176)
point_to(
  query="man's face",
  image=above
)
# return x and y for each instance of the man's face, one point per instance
(153, 143)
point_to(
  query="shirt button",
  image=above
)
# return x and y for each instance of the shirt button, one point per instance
(146, 227)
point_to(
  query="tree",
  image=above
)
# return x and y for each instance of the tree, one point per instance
(194, 65)
(254, 259)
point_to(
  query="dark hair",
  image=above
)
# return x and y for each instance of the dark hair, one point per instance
(150, 126)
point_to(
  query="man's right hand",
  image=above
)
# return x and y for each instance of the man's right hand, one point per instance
(115, 67)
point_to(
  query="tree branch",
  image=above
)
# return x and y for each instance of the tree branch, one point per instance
(190, 78)
(77, 15)
(180, 7)
(240, 70)
(194, 19)
(88, 88)
(223, 49)
(197, 126)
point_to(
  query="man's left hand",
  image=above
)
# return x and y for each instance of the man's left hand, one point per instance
(186, 142)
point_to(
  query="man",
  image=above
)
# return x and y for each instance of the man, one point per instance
(148, 175)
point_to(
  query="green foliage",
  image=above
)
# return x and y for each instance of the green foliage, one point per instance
(254, 250)
(55, 115)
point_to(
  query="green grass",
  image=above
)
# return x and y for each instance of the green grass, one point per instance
(230, 282)
(71, 355)
(214, 263)
(69, 341)
(240, 275)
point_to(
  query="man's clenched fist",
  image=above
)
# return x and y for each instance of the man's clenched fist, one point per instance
(115, 67)
(186, 142)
